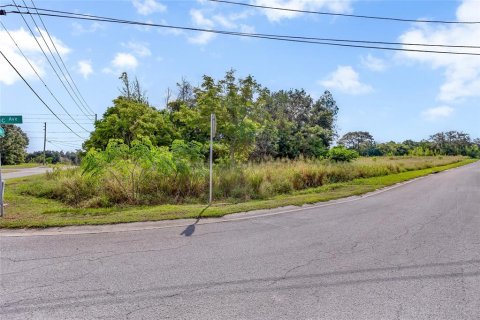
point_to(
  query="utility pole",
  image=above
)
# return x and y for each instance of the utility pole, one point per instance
(213, 128)
(95, 118)
(44, 142)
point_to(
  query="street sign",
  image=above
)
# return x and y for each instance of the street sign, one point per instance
(11, 119)
(2, 132)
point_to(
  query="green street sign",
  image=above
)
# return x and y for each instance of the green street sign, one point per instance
(2, 132)
(11, 119)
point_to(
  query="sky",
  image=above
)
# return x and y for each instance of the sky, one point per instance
(393, 95)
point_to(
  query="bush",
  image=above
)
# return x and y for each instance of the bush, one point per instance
(146, 175)
(341, 154)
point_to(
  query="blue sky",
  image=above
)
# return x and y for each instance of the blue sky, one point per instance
(394, 96)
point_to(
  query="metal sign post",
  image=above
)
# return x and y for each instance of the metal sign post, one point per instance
(213, 129)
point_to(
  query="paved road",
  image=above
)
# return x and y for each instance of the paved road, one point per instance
(410, 253)
(24, 172)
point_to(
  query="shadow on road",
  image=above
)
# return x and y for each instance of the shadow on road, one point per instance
(191, 228)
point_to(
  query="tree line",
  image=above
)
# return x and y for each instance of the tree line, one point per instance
(450, 143)
(254, 123)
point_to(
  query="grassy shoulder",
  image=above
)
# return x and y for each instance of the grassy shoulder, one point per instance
(17, 167)
(33, 212)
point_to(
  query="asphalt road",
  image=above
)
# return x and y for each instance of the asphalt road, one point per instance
(24, 172)
(412, 252)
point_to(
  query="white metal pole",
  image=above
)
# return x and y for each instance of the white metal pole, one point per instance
(211, 157)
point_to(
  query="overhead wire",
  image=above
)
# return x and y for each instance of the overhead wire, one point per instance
(61, 60)
(40, 78)
(288, 38)
(36, 94)
(46, 56)
(343, 14)
(259, 34)
(54, 58)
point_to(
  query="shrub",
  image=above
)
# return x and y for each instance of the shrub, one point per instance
(341, 154)
(146, 175)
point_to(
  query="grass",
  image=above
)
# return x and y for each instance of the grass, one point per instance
(17, 167)
(127, 182)
(26, 211)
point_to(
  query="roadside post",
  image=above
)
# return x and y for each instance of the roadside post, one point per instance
(213, 129)
(5, 120)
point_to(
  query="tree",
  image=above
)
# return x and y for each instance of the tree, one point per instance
(235, 103)
(341, 154)
(53, 156)
(360, 141)
(131, 90)
(129, 120)
(13, 145)
(305, 127)
(450, 142)
(324, 114)
(266, 141)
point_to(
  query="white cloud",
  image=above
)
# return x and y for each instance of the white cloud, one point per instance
(373, 63)
(334, 6)
(85, 68)
(30, 48)
(202, 38)
(224, 21)
(147, 7)
(139, 48)
(79, 29)
(200, 20)
(167, 31)
(247, 29)
(461, 73)
(124, 60)
(346, 79)
(437, 113)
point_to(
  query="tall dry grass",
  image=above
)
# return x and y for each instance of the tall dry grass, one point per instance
(244, 182)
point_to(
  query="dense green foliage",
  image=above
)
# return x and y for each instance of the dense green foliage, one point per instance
(54, 157)
(342, 154)
(443, 143)
(252, 122)
(13, 145)
(144, 174)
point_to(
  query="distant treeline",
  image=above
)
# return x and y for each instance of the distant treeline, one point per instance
(449, 143)
(54, 157)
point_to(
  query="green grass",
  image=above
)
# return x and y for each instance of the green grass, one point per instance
(16, 167)
(21, 166)
(29, 211)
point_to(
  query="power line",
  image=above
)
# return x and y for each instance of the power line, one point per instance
(74, 15)
(20, 75)
(63, 63)
(296, 39)
(44, 53)
(85, 123)
(53, 56)
(344, 14)
(35, 71)
(60, 114)
(59, 146)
